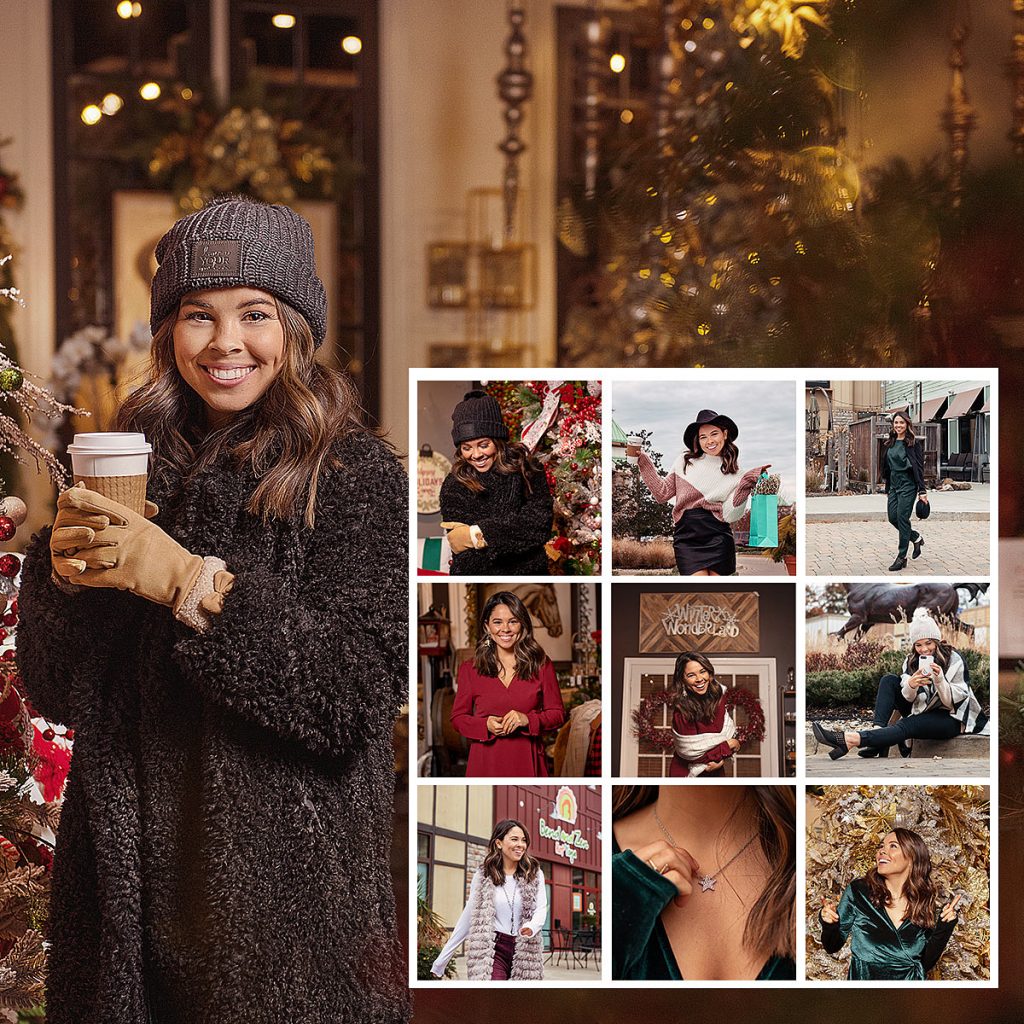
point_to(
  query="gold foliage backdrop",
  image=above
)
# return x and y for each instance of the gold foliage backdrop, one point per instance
(844, 827)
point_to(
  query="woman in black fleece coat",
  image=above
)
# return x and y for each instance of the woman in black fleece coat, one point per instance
(223, 849)
(496, 503)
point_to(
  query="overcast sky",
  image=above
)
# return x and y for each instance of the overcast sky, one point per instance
(763, 411)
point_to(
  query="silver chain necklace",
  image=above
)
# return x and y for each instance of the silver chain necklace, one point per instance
(707, 882)
(511, 900)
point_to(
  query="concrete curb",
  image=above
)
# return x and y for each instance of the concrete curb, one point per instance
(813, 518)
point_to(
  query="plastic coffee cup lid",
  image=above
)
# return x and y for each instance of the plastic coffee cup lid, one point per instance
(110, 442)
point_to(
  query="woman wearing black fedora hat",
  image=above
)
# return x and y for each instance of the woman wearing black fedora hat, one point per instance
(709, 491)
(903, 473)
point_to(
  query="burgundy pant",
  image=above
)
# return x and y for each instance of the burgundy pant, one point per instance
(504, 947)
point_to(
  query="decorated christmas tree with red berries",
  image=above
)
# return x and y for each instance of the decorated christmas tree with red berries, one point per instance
(560, 422)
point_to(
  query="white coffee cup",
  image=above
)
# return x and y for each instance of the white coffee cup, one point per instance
(110, 453)
(114, 464)
(632, 441)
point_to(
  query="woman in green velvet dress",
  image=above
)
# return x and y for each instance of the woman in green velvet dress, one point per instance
(889, 915)
(703, 883)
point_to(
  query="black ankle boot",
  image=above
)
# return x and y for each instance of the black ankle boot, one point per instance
(869, 751)
(830, 737)
(904, 748)
(900, 563)
(918, 544)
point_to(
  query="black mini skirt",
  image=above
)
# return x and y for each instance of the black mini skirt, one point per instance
(702, 541)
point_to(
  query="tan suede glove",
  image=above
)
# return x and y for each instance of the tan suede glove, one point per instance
(462, 537)
(97, 542)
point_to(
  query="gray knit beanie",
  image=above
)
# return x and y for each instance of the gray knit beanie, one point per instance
(478, 415)
(233, 242)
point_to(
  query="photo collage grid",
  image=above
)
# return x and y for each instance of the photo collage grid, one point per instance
(702, 678)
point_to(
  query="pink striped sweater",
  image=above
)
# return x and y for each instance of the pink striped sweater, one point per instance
(702, 484)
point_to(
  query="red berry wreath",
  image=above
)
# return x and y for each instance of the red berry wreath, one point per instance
(736, 698)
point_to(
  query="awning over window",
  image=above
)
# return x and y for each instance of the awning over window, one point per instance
(985, 408)
(930, 409)
(960, 405)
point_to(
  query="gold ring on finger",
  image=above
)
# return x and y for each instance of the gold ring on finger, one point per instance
(654, 867)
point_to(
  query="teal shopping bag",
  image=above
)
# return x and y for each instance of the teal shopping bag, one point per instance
(764, 521)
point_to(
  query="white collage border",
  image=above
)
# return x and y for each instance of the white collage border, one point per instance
(797, 377)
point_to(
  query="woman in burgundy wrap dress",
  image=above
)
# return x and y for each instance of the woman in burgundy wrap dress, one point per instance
(508, 696)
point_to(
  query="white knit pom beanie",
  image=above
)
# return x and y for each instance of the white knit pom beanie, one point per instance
(924, 627)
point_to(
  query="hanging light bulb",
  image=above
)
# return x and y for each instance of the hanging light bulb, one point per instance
(111, 103)
(283, 21)
(91, 114)
(352, 44)
(150, 91)
(124, 9)
(617, 63)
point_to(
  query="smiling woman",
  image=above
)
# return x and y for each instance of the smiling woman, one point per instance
(232, 664)
(890, 916)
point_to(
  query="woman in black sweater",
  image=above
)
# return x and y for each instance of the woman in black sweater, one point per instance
(903, 472)
(495, 503)
(232, 665)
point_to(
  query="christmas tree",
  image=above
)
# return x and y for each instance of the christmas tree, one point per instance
(560, 422)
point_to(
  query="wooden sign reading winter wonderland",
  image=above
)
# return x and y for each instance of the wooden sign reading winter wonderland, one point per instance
(699, 622)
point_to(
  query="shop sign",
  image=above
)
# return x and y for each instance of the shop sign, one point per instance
(700, 622)
(567, 844)
(577, 902)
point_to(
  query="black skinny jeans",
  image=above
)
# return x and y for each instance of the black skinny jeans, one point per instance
(937, 724)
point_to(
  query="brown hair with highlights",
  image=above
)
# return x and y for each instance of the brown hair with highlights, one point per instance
(693, 708)
(918, 889)
(530, 656)
(493, 866)
(511, 457)
(285, 436)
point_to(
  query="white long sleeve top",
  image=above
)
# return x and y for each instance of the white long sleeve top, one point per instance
(701, 484)
(508, 914)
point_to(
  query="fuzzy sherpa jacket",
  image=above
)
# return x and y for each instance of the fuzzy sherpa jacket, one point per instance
(223, 851)
(528, 956)
(516, 523)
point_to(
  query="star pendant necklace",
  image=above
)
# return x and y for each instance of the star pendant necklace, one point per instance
(707, 882)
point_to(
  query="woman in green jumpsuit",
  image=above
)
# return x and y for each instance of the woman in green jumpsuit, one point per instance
(903, 472)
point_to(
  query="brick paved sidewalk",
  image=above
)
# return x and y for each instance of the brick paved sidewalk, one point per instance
(951, 548)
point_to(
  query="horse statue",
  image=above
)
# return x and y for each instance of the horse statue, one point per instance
(875, 604)
(541, 600)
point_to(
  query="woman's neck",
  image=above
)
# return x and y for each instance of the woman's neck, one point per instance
(509, 866)
(703, 810)
(506, 659)
(895, 885)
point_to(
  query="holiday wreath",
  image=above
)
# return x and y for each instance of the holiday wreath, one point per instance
(736, 698)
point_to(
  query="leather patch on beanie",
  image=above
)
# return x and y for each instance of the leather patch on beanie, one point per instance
(216, 259)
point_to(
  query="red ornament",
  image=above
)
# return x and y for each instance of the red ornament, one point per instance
(48, 735)
(69, 733)
(10, 619)
(10, 566)
(14, 606)
(7, 528)
(3, 635)
(9, 655)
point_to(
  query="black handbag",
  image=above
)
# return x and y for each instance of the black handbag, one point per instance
(924, 509)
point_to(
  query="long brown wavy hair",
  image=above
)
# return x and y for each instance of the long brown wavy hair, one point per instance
(918, 889)
(730, 453)
(511, 457)
(943, 653)
(285, 436)
(909, 438)
(693, 708)
(493, 867)
(771, 922)
(530, 656)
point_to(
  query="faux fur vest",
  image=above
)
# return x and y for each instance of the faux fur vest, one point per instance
(528, 958)
(223, 849)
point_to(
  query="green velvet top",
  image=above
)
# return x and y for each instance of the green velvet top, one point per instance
(879, 950)
(640, 947)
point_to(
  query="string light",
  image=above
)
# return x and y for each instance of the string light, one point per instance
(352, 45)
(617, 63)
(150, 91)
(126, 9)
(283, 21)
(186, 93)
(111, 103)
(92, 114)
(626, 117)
